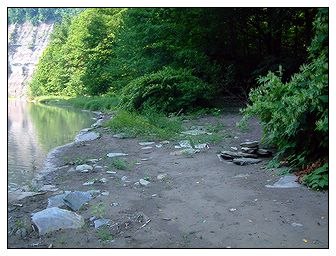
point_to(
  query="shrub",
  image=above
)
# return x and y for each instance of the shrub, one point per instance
(168, 90)
(294, 115)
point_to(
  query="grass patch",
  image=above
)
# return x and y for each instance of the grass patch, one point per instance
(148, 125)
(104, 234)
(99, 210)
(121, 164)
(105, 102)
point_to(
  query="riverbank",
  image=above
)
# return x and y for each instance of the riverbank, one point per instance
(161, 196)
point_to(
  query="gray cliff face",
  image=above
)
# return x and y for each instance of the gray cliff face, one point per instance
(26, 44)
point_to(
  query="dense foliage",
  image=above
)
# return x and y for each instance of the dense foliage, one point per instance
(223, 49)
(37, 15)
(294, 115)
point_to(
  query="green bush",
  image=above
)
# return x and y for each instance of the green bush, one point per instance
(168, 90)
(318, 179)
(294, 115)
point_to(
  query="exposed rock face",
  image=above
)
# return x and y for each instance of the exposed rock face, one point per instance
(26, 44)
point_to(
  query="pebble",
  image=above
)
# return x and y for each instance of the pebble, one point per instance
(294, 224)
(111, 172)
(146, 143)
(232, 209)
(115, 204)
(88, 183)
(103, 180)
(106, 193)
(144, 182)
(124, 178)
(116, 154)
(84, 167)
(148, 147)
(162, 176)
(154, 195)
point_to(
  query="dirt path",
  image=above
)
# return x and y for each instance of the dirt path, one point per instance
(200, 203)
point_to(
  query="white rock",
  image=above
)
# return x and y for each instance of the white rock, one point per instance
(148, 147)
(105, 193)
(84, 167)
(146, 143)
(111, 172)
(144, 182)
(116, 154)
(161, 176)
(103, 180)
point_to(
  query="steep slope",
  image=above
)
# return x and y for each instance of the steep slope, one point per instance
(26, 44)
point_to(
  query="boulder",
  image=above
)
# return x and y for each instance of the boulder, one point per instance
(250, 144)
(245, 161)
(76, 199)
(52, 219)
(57, 201)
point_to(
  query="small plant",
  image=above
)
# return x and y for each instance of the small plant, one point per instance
(318, 179)
(104, 234)
(121, 164)
(99, 210)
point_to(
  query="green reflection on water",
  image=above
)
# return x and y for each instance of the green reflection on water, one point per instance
(56, 126)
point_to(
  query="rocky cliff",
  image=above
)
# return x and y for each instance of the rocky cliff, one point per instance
(25, 46)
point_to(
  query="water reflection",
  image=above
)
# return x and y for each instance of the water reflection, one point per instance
(33, 130)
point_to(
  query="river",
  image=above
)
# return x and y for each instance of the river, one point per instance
(35, 129)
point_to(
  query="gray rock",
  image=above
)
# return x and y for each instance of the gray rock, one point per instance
(101, 222)
(19, 195)
(148, 147)
(242, 154)
(245, 161)
(147, 143)
(97, 124)
(234, 148)
(229, 155)
(111, 172)
(103, 180)
(76, 199)
(53, 218)
(88, 183)
(120, 136)
(57, 201)
(84, 167)
(202, 146)
(87, 136)
(98, 168)
(158, 145)
(187, 151)
(249, 150)
(105, 193)
(48, 188)
(195, 132)
(21, 233)
(294, 224)
(116, 154)
(288, 181)
(264, 152)
(124, 178)
(92, 161)
(94, 192)
(165, 142)
(144, 182)
(185, 144)
(162, 176)
(250, 144)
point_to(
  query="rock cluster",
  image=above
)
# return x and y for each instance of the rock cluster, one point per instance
(249, 154)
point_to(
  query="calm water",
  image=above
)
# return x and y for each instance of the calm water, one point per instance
(35, 129)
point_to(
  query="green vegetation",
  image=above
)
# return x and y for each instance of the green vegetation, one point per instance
(147, 126)
(121, 164)
(318, 179)
(104, 234)
(155, 65)
(294, 115)
(99, 210)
